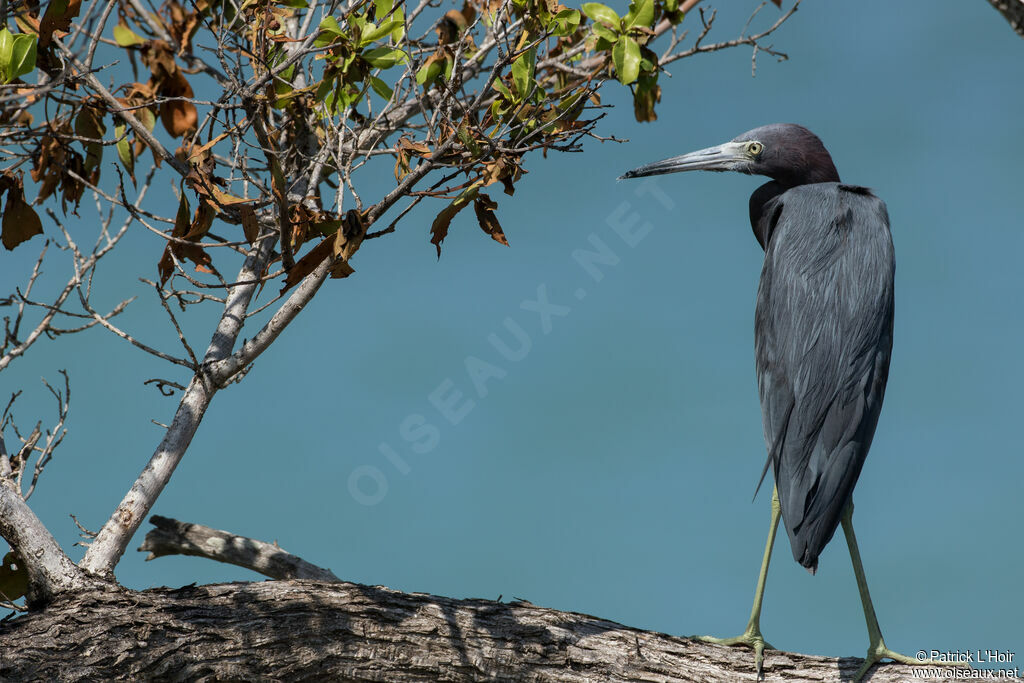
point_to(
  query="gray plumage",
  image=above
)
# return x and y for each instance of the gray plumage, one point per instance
(823, 338)
(822, 341)
(823, 328)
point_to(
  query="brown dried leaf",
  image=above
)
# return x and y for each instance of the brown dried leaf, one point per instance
(13, 577)
(89, 124)
(182, 219)
(58, 16)
(340, 245)
(192, 252)
(201, 222)
(404, 148)
(439, 229)
(250, 226)
(225, 199)
(190, 229)
(20, 221)
(349, 237)
(198, 154)
(178, 116)
(484, 207)
(308, 263)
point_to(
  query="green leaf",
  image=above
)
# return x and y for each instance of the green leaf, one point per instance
(385, 57)
(599, 13)
(146, 117)
(381, 88)
(323, 89)
(626, 57)
(641, 13)
(124, 149)
(374, 33)
(126, 37)
(23, 55)
(6, 53)
(399, 32)
(500, 86)
(429, 72)
(330, 24)
(522, 72)
(497, 111)
(565, 22)
(602, 31)
(361, 25)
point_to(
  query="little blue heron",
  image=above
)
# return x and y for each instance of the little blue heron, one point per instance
(822, 339)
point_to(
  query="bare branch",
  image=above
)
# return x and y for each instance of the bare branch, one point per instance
(111, 541)
(50, 572)
(171, 537)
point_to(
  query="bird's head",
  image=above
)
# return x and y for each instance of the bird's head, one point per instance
(785, 152)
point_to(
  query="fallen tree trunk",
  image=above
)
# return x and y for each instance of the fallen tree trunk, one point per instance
(291, 630)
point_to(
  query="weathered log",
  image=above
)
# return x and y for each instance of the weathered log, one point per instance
(296, 630)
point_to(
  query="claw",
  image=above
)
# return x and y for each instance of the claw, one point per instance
(878, 651)
(751, 638)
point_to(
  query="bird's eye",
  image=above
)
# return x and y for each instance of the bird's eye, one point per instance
(755, 148)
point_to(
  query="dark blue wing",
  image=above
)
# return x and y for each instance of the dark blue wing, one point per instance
(823, 337)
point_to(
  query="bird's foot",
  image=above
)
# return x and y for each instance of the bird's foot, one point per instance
(751, 638)
(878, 651)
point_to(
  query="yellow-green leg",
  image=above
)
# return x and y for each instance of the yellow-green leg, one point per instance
(877, 649)
(752, 637)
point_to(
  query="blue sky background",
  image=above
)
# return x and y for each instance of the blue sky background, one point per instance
(610, 470)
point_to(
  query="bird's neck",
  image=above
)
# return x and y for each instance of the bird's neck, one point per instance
(824, 171)
(763, 225)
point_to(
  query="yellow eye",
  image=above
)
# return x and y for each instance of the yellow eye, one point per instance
(755, 148)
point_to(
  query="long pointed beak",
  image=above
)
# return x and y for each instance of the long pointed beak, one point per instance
(724, 157)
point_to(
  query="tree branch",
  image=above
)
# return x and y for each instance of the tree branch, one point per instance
(226, 368)
(50, 571)
(171, 537)
(112, 540)
(291, 630)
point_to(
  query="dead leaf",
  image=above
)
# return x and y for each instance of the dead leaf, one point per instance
(405, 148)
(178, 116)
(439, 228)
(308, 263)
(484, 207)
(190, 229)
(225, 199)
(20, 221)
(13, 578)
(57, 18)
(341, 245)
(250, 226)
(198, 154)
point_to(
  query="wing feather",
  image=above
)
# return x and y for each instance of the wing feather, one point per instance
(823, 337)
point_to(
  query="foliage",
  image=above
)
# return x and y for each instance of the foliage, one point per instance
(497, 79)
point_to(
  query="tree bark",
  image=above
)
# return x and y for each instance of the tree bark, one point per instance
(1013, 12)
(298, 630)
(50, 571)
(171, 537)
